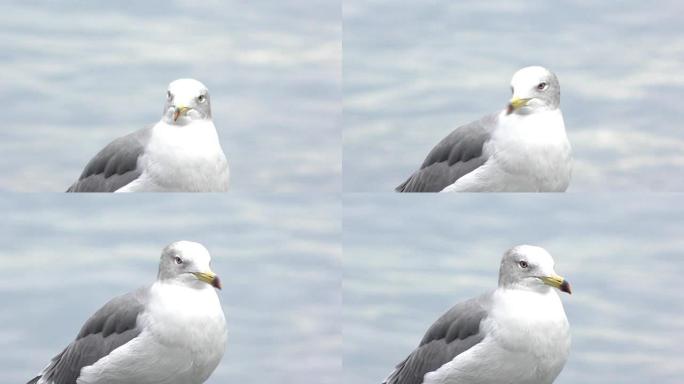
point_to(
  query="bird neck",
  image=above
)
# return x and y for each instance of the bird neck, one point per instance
(530, 305)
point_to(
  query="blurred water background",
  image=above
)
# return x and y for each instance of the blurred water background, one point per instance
(78, 74)
(409, 259)
(63, 257)
(414, 71)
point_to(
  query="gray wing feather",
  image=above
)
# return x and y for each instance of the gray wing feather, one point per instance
(456, 155)
(452, 334)
(112, 326)
(115, 165)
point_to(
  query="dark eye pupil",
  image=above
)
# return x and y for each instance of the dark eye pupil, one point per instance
(523, 264)
(541, 85)
(177, 260)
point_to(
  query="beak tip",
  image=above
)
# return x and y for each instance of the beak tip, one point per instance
(179, 110)
(216, 283)
(565, 287)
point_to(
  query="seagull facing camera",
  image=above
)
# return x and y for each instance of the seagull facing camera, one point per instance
(187, 100)
(180, 153)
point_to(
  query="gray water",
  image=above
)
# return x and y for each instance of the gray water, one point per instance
(76, 75)
(63, 257)
(414, 71)
(409, 259)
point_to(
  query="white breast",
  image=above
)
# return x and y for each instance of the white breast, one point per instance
(532, 331)
(534, 156)
(178, 346)
(527, 342)
(185, 158)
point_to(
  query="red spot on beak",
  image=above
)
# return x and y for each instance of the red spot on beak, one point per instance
(565, 287)
(216, 283)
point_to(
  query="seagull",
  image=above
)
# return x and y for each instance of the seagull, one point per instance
(180, 153)
(172, 332)
(523, 148)
(517, 333)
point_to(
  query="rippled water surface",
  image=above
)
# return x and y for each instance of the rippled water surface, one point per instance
(278, 258)
(414, 71)
(76, 75)
(406, 261)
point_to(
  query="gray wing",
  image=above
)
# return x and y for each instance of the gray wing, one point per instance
(456, 155)
(452, 334)
(115, 165)
(110, 327)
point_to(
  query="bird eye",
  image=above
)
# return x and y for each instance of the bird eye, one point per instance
(169, 96)
(541, 86)
(512, 90)
(201, 98)
(522, 264)
(177, 260)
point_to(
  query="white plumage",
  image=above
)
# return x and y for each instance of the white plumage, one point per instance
(182, 158)
(523, 148)
(517, 333)
(173, 332)
(180, 153)
(526, 153)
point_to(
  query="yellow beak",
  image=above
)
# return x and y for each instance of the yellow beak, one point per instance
(209, 278)
(515, 104)
(557, 282)
(180, 110)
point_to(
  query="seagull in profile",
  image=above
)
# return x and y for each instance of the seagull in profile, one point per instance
(180, 153)
(172, 332)
(523, 148)
(517, 333)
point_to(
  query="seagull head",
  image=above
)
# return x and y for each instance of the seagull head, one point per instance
(534, 88)
(531, 268)
(187, 263)
(186, 100)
